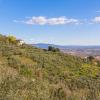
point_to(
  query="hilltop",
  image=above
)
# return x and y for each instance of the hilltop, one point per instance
(31, 73)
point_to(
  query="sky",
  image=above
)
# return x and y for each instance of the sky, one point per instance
(63, 22)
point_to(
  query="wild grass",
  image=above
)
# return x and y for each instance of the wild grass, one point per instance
(29, 73)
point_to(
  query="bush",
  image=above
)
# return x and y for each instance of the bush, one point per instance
(53, 49)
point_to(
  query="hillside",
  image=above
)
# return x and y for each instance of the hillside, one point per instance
(30, 73)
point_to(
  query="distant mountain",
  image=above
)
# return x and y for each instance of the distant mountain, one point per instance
(73, 49)
(45, 46)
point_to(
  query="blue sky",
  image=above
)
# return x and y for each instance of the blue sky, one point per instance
(64, 22)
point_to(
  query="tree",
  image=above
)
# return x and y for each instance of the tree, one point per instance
(50, 48)
(90, 58)
(11, 39)
(57, 50)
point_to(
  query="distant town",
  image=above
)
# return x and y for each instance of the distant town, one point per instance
(81, 51)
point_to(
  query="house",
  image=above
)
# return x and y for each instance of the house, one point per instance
(20, 42)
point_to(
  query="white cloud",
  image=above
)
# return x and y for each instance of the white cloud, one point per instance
(55, 21)
(98, 11)
(36, 20)
(41, 20)
(96, 19)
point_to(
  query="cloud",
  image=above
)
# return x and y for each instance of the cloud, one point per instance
(98, 11)
(96, 19)
(41, 20)
(36, 20)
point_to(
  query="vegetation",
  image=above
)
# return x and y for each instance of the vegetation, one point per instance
(53, 49)
(30, 73)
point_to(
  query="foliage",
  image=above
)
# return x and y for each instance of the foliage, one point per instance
(50, 48)
(11, 39)
(90, 58)
(30, 73)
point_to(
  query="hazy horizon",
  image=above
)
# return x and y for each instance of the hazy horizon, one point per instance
(64, 45)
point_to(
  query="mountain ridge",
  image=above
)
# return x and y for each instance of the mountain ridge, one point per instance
(45, 45)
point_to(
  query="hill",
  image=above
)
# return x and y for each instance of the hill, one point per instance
(30, 73)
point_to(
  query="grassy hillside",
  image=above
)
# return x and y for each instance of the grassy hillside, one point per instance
(30, 73)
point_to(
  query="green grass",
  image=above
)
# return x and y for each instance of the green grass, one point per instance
(30, 73)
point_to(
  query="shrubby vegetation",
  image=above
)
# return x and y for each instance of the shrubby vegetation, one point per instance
(53, 49)
(30, 73)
